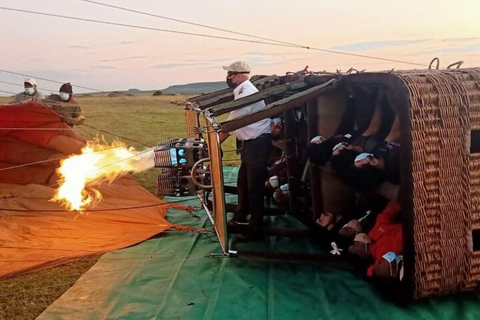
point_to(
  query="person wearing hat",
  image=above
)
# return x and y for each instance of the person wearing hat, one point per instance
(257, 141)
(30, 92)
(371, 169)
(385, 236)
(64, 105)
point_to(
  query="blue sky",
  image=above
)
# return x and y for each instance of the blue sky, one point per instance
(115, 58)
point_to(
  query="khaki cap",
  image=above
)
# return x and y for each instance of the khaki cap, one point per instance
(363, 238)
(31, 81)
(354, 224)
(239, 66)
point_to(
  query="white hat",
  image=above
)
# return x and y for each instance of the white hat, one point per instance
(239, 66)
(362, 237)
(32, 81)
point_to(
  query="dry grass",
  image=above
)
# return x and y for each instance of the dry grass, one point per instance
(144, 119)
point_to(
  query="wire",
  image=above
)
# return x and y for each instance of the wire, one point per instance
(209, 36)
(98, 210)
(47, 100)
(53, 159)
(45, 79)
(21, 85)
(141, 27)
(118, 136)
(188, 22)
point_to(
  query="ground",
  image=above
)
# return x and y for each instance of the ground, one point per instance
(144, 120)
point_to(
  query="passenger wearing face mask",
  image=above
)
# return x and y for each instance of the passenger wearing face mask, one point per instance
(370, 170)
(30, 93)
(386, 236)
(64, 105)
(257, 142)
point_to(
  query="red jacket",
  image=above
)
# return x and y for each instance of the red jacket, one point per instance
(386, 235)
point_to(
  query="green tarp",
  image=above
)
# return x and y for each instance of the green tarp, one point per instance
(169, 277)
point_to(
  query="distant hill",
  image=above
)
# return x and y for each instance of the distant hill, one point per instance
(189, 88)
(195, 88)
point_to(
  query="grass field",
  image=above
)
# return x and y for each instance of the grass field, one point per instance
(143, 119)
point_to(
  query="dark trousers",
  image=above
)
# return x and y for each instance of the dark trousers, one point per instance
(251, 179)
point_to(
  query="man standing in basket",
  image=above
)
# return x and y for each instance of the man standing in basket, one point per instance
(256, 144)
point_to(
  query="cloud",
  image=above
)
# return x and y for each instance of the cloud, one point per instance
(270, 54)
(124, 59)
(372, 45)
(94, 68)
(463, 49)
(130, 41)
(459, 39)
(254, 58)
(170, 65)
(78, 47)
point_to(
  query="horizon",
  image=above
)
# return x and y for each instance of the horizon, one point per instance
(113, 58)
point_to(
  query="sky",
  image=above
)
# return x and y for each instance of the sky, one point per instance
(107, 57)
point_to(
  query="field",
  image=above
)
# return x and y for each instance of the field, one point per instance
(136, 120)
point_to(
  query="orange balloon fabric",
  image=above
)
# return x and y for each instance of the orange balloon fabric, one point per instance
(36, 233)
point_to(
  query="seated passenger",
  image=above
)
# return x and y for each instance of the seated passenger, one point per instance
(281, 194)
(276, 128)
(31, 92)
(385, 236)
(370, 170)
(64, 105)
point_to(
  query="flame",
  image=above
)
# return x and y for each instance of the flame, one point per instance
(97, 163)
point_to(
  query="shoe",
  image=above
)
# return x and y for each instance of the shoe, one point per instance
(235, 222)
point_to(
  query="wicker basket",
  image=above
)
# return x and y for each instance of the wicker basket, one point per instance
(439, 110)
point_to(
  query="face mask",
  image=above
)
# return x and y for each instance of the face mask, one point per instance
(64, 96)
(338, 145)
(318, 138)
(277, 120)
(29, 91)
(230, 84)
(362, 156)
(390, 257)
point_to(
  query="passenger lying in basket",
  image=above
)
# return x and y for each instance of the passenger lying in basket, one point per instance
(342, 227)
(385, 237)
(370, 170)
(352, 134)
(320, 149)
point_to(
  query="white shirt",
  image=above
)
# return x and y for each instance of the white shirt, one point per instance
(253, 130)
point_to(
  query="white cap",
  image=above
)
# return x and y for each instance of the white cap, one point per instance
(239, 66)
(32, 81)
(274, 181)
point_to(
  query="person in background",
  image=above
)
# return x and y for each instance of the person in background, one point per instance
(31, 92)
(63, 104)
(257, 141)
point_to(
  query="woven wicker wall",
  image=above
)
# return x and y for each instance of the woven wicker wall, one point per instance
(445, 107)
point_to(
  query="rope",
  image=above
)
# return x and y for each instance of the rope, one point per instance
(45, 79)
(206, 36)
(97, 210)
(140, 27)
(118, 136)
(289, 44)
(34, 129)
(21, 85)
(43, 100)
(50, 160)
(188, 22)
